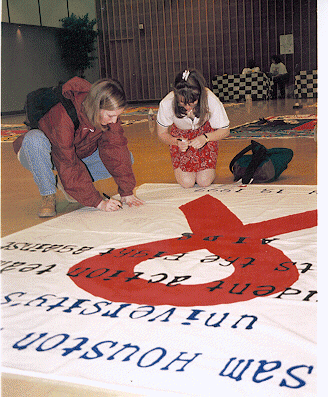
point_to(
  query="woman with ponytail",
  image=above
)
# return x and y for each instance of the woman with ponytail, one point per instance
(191, 120)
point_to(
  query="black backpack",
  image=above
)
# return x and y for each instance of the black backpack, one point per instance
(40, 101)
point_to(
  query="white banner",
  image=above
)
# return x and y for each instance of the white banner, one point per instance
(200, 291)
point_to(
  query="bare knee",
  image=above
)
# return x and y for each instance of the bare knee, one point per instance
(187, 184)
(205, 178)
(185, 179)
(203, 183)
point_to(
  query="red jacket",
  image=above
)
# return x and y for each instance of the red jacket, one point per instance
(69, 147)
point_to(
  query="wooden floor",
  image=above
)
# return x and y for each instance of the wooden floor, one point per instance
(20, 198)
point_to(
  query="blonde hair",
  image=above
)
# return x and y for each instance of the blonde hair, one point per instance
(107, 94)
(190, 86)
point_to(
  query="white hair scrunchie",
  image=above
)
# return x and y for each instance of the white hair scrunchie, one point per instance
(185, 75)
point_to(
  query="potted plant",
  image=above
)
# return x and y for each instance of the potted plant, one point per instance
(76, 40)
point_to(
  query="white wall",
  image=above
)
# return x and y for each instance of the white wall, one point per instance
(48, 14)
(30, 56)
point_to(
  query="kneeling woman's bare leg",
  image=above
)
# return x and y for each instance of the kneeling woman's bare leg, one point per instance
(185, 179)
(205, 178)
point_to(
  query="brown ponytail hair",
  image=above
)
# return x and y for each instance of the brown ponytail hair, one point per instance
(189, 86)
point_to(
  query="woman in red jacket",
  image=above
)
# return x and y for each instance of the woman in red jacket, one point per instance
(96, 150)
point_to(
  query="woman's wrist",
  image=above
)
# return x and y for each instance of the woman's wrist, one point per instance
(177, 140)
(207, 138)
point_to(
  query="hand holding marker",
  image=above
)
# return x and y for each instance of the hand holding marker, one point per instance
(108, 197)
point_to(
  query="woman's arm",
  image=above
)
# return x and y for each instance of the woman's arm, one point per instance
(116, 157)
(168, 139)
(218, 134)
(165, 136)
(213, 136)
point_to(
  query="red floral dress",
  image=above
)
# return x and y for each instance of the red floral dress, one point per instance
(194, 160)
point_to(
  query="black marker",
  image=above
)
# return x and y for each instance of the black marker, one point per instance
(108, 197)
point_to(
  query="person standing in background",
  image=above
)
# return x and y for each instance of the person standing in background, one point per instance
(279, 76)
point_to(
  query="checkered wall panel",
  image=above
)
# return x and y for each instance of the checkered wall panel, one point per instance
(237, 86)
(306, 84)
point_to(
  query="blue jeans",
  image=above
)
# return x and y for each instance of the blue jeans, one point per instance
(35, 155)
